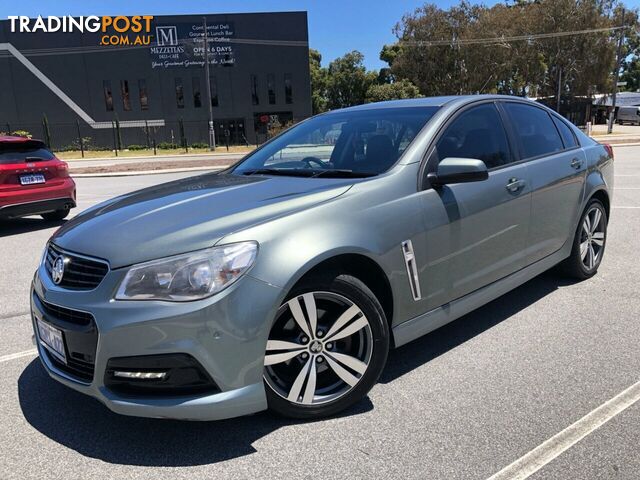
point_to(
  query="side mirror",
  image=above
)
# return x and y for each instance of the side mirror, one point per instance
(458, 170)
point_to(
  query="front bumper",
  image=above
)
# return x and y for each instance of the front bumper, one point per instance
(226, 334)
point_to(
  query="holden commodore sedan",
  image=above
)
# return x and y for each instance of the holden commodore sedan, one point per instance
(283, 281)
(33, 181)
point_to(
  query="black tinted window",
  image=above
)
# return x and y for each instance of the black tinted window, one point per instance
(20, 154)
(477, 133)
(535, 130)
(568, 138)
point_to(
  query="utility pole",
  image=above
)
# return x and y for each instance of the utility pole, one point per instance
(205, 43)
(559, 89)
(616, 74)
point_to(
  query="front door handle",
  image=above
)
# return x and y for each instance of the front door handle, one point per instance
(576, 163)
(515, 185)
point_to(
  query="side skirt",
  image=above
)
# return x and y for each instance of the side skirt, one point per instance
(436, 318)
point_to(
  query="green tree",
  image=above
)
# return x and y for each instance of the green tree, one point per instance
(630, 68)
(631, 75)
(318, 82)
(348, 81)
(392, 91)
(475, 49)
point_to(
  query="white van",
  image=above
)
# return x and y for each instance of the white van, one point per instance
(629, 115)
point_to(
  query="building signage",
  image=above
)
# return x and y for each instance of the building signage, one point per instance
(181, 45)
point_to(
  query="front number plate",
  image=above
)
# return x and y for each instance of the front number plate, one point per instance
(31, 179)
(52, 338)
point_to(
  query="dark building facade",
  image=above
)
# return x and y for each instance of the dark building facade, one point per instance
(259, 77)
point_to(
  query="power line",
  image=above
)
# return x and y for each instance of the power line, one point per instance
(503, 39)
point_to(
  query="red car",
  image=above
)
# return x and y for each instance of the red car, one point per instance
(33, 181)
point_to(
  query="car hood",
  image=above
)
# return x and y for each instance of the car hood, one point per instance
(188, 214)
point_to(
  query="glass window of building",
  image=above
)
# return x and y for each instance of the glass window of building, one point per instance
(197, 96)
(179, 93)
(124, 91)
(271, 88)
(254, 90)
(288, 93)
(214, 91)
(108, 96)
(144, 98)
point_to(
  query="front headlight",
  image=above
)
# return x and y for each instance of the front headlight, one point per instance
(187, 277)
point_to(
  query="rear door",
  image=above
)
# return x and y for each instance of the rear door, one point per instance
(485, 236)
(557, 167)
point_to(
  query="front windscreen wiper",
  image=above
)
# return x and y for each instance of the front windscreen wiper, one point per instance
(292, 172)
(338, 173)
(309, 172)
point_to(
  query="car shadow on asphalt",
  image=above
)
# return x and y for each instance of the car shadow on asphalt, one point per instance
(25, 225)
(83, 424)
(421, 351)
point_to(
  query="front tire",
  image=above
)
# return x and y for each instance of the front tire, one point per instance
(326, 349)
(588, 244)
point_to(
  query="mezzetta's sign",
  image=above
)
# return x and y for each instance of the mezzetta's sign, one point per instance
(181, 45)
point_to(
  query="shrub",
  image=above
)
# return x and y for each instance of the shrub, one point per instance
(137, 147)
(17, 133)
(166, 146)
(199, 145)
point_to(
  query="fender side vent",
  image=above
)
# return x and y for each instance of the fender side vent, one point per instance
(412, 269)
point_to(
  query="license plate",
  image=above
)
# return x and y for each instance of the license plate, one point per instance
(52, 338)
(31, 179)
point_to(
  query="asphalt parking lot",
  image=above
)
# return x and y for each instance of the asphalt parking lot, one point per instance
(461, 403)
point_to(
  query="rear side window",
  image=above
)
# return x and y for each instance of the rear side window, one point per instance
(535, 130)
(476, 133)
(21, 154)
(568, 138)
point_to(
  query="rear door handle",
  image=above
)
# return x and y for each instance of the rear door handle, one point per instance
(576, 163)
(515, 185)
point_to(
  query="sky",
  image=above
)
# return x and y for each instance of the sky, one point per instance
(335, 26)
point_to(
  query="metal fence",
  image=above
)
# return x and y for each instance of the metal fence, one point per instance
(114, 136)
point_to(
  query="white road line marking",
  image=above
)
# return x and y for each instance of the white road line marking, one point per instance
(627, 188)
(624, 207)
(13, 356)
(544, 453)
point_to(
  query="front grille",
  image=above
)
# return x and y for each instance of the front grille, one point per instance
(80, 273)
(68, 315)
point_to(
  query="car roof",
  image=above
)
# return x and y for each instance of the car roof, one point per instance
(12, 140)
(430, 101)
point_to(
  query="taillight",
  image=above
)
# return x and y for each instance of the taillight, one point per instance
(609, 150)
(63, 169)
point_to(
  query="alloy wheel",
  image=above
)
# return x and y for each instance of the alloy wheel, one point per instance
(592, 237)
(319, 348)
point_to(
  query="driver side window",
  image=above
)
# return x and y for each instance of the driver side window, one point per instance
(476, 133)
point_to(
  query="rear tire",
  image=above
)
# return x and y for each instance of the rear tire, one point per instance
(320, 372)
(588, 244)
(56, 215)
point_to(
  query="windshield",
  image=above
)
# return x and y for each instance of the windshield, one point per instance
(357, 143)
(19, 154)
